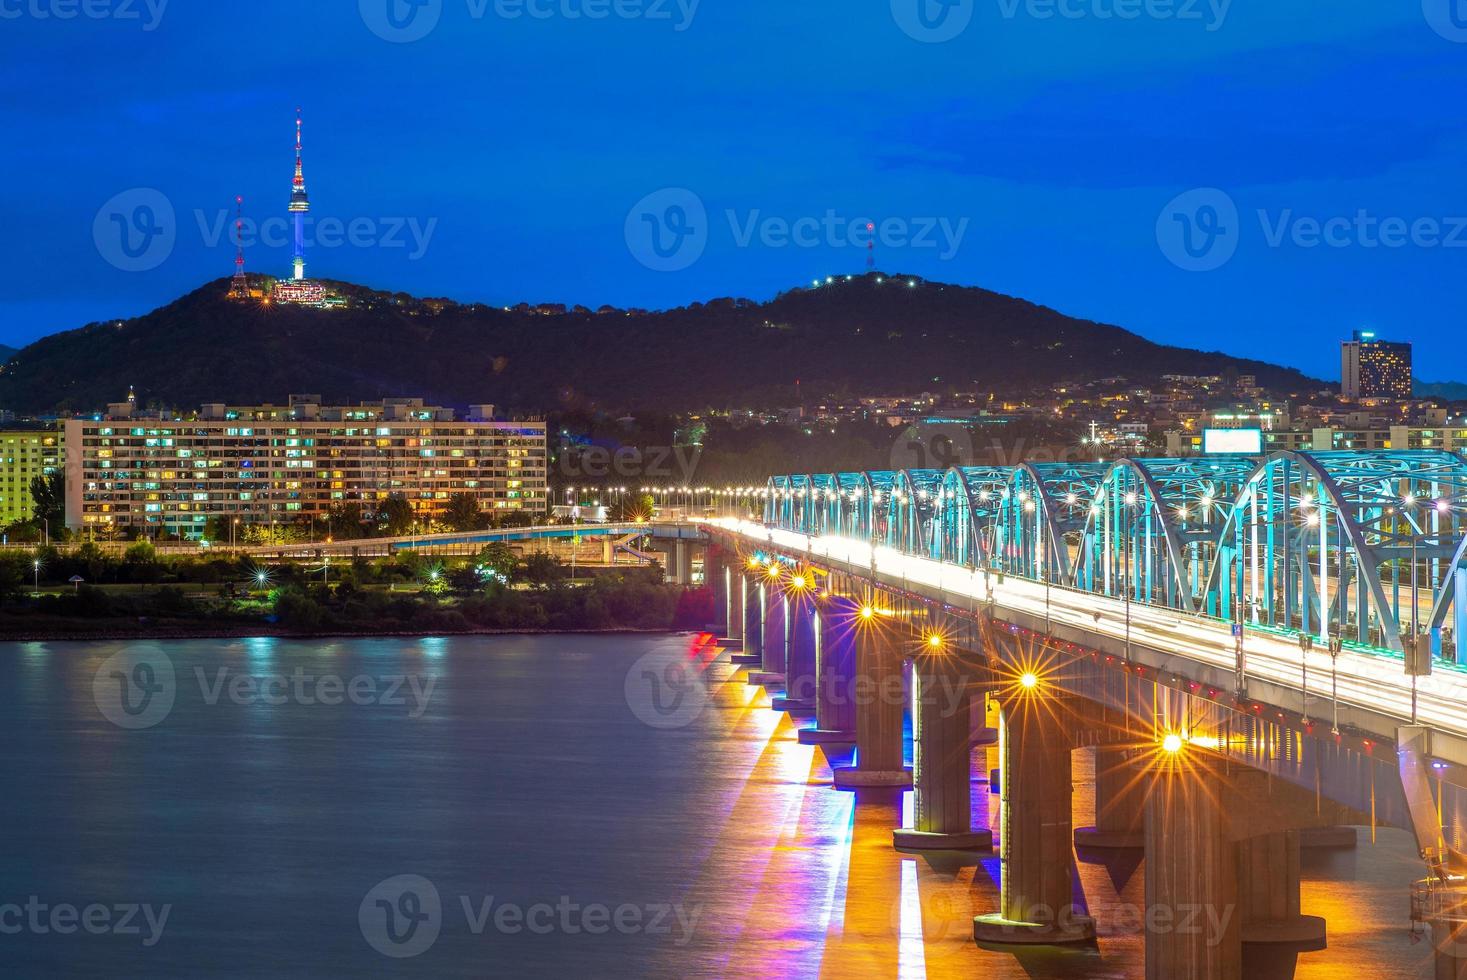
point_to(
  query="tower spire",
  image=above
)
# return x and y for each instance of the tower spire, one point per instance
(299, 204)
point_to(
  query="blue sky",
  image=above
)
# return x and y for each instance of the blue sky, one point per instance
(1259, 178)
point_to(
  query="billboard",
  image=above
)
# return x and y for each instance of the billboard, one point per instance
(1238, 441)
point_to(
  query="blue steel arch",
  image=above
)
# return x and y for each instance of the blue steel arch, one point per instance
(913, 511)
(1368, 543)
(1321, 527)
(1152, 526)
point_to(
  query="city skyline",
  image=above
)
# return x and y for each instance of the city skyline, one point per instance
(512, 207)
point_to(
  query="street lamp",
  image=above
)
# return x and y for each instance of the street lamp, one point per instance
(1306, 644)
(1336, 644)
(37, 566)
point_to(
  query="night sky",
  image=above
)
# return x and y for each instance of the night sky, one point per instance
(1033, 147)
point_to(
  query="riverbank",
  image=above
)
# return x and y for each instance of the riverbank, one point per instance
(186, 631)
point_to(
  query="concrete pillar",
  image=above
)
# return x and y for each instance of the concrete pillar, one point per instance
(835, 654)
(776, 635)
(716, 576)
(737, 600)
(800, 681)
(754, 619)
(1445, 909)
(880, 704)
(1036, 835)
(1192, 926)
(942, 812)
(1268, 893)
(1120, 803)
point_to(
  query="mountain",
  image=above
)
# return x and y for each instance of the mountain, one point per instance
(870, 334)
(1452, 391)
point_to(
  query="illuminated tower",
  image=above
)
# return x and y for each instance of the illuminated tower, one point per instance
(299, 205)
(240, 287)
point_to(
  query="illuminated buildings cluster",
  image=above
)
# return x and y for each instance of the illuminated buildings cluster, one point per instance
(269, 464)
(24, 455)
(1374, 369)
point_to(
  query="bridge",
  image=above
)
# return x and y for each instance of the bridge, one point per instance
(1261, 650)
(673, 542)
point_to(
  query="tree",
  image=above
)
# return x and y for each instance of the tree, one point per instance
(344, 522)
(544, 571)
(395, 516)
(463, 514)
(499, 558)
(48, 495)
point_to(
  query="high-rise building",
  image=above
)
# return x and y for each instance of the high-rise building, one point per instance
(1371, 368)
(24, 455)
(274, 464)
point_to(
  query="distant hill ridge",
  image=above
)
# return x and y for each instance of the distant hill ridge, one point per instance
(871, 334)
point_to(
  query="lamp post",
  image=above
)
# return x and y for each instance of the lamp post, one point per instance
(37, 566)
(1336, 644)
(1306, 644)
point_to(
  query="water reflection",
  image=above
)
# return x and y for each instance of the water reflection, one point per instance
(528, 777)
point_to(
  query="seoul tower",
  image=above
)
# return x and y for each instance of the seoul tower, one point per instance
(299, 205)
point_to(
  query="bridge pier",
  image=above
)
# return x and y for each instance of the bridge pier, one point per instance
(1192, 926)
(800, 681)
(738, 597)
(718, 578)
(880, 700)
(752, 589)
(775, 647)
(942, 753)
(1120, 803)
(835, 710)
(1036, 837)
(1268, 893)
